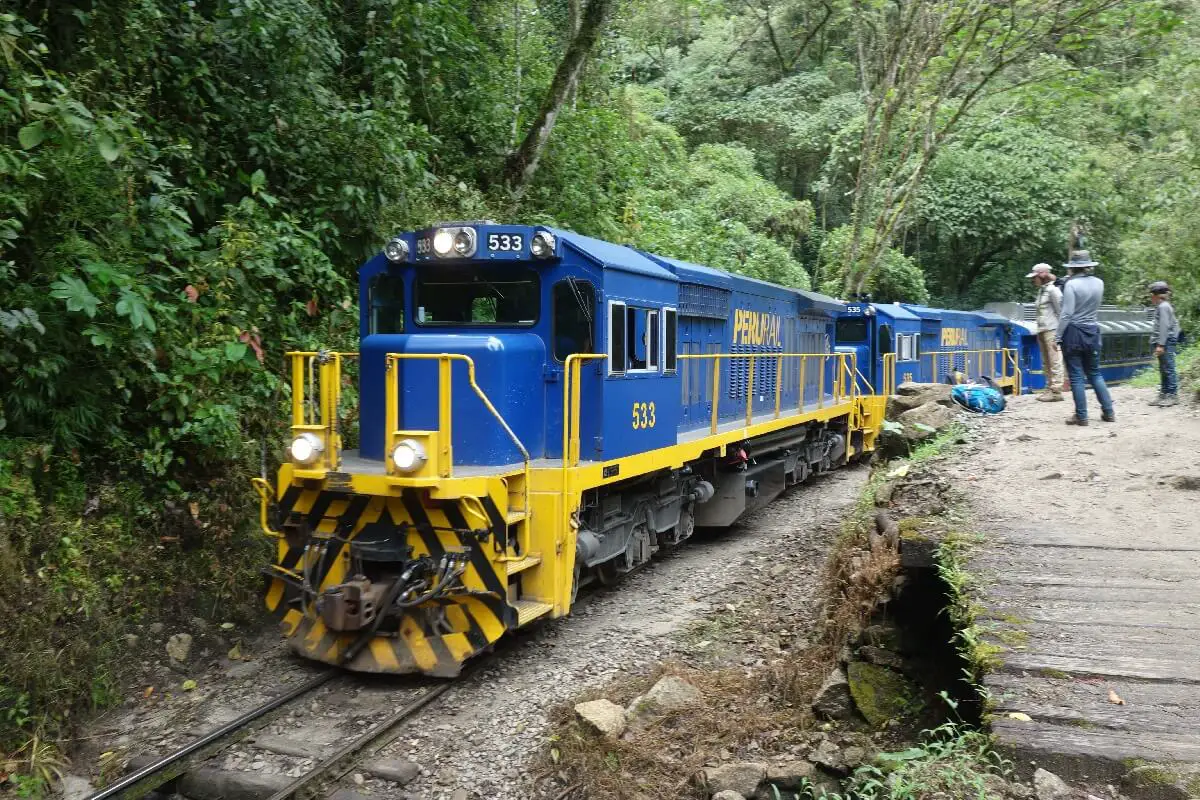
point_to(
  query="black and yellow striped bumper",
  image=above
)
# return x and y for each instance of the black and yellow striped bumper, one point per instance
(435, 638)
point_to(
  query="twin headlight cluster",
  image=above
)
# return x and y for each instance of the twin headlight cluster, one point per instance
(462, 241)
(408, 455)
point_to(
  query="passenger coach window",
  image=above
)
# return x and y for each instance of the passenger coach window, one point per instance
(852, 330)
(448, 295)
(385, 295)
(574, 301)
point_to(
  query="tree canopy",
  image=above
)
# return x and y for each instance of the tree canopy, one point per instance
(188, 188)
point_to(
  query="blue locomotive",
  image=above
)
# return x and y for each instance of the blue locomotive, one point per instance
(540, 409)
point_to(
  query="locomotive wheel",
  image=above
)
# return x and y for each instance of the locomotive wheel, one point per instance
(575, 582)
(606, 573)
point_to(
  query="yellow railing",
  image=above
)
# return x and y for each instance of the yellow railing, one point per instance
(571, 405)
(888, 381)
(999, 364)
(844, 384)
(316, 393)
(1002, 365)
(445, 461)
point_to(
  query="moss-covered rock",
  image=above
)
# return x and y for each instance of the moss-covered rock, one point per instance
(881, 694)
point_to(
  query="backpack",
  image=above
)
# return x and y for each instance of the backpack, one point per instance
(980, 399)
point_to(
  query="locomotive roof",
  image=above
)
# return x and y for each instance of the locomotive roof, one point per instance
(992, 319)
(895, 311)
(727, 280)
(615, 256)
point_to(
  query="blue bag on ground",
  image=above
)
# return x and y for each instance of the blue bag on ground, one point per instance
(980, 399)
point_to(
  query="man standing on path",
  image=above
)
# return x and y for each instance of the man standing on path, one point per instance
(1166, 338)
(1049, 306)
(1079, 336)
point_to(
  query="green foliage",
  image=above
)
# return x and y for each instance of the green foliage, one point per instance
(83, 561)
(718, 211)
(898, 278)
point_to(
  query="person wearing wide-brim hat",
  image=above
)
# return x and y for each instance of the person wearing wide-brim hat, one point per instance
(1049, 306)
(1166, 339)
(1079, 336)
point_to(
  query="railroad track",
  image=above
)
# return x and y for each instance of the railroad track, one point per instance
(317, 782)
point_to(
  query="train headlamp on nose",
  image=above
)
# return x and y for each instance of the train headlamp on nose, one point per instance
(306, 449)
(542, 244)
(457, 242)
(408, 455)
(396, 250)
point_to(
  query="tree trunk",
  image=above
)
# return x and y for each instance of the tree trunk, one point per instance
(521, 165)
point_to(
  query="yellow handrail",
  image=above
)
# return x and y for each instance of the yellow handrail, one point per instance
(1008, 360)
(323, 416)
(445, 397)
(888, 383)
(571, 405)
(843, 389)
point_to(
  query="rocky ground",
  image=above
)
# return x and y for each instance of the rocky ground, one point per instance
(481, 739)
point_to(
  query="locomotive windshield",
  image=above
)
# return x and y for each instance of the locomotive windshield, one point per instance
(852, 330)
(470, 295)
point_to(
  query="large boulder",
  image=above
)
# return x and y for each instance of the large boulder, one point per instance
(828, 756)
(790, 774)
(832, 700)
(925, 420)
(742, 777)
(1049, 786)
(670, 693)
(880, 694)
(603, 715)
(911, 395)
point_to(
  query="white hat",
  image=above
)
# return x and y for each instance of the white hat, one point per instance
(1040, 269)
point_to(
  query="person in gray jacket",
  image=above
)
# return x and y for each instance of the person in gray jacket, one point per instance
(1166, 339)
(1079, 337)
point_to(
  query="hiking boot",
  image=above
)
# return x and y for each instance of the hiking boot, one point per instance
(1050, 397)
(1169, 400)
(1158, 401)
(1074, 420)
(1108, 416)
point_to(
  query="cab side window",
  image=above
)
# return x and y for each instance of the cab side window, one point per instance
(574, 302)
(385, 295)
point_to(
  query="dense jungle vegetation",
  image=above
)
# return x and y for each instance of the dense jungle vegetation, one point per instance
(188, 188)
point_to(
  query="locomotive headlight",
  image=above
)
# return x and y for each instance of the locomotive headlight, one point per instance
(396, 250)
(306, 449)
(464, 242)
(542, 244)
(443, 242)
(408, 455)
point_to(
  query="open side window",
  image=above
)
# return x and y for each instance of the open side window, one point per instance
(884, 339)
(573, 329)
(616, 339)
(670, 339)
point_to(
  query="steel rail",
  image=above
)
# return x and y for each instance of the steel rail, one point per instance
(158, 768)
(341, 762)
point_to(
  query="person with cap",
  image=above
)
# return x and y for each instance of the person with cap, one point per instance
(1079, 336)
(1166, 338)
(1049, 306)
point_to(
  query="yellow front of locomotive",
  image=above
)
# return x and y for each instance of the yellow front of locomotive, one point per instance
(404, 556)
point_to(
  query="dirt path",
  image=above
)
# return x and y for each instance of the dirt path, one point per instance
(1090, 578)
(482, 737)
